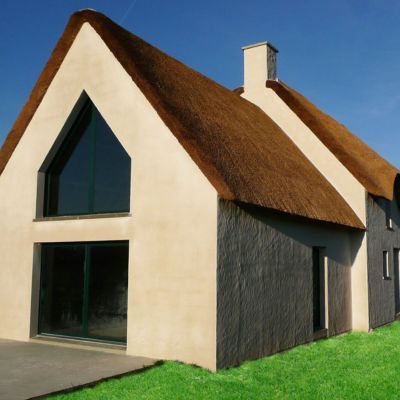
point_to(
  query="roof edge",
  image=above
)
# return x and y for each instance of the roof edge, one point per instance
(100, 24)
(40, 88)
(371, 185)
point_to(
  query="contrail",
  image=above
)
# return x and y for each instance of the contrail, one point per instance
(130, 8)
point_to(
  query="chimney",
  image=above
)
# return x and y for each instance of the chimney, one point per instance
(259, 65)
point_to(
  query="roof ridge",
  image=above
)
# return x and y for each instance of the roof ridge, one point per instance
(240, 150)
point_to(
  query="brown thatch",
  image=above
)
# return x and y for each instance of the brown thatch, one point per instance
(367, 166)
(241, 151)
(239, 90)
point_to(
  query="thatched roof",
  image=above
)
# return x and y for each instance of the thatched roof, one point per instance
(242, 152)
(368, 167)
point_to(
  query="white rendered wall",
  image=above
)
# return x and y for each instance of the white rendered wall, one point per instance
(171, 231)
(255, 67)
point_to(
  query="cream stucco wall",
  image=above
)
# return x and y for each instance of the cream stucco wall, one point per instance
(255, 66)
(333, 170)
(172, 229)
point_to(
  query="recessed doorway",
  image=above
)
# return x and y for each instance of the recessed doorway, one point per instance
(84, 289)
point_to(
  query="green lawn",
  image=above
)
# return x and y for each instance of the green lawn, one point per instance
(352, 366)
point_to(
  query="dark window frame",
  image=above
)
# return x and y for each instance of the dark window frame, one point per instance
(319, 289)
(87, 271)
(87, 108)
(386, 265)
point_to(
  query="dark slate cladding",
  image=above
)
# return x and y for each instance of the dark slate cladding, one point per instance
(380, 238)
(264, 282)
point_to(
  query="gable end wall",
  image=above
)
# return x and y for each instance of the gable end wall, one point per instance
(171, 229)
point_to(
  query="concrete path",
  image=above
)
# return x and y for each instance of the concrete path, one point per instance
(29, 370)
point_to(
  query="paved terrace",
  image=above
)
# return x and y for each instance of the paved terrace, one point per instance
(34, 369)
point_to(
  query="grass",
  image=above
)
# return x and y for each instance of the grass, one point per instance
(352, 366)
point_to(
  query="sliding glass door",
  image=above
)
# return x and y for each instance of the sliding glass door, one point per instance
(84, 289)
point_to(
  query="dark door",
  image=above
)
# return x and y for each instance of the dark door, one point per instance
(84, 288)
(318, 277)
(396, 279)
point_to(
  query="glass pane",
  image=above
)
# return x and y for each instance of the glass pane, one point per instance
(113, 171)
(69, 175)
(108, 292)
(62, 290)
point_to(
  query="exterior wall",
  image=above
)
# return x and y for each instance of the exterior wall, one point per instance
(380, 238)
(319, 155)
(259, 63)
(334, 171)
(264, 281)
(171, 229)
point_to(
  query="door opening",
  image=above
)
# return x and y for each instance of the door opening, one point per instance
(84, 289)
(318, 276)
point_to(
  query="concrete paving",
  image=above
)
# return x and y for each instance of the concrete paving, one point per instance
(29, 370)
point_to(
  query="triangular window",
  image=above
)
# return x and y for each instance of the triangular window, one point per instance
(91, 172)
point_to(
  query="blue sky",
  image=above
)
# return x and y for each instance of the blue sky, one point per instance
(342, 55)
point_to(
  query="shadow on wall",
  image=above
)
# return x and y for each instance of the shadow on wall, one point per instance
(383, 221)
(388, 209)
(341, 243)
(265, 280)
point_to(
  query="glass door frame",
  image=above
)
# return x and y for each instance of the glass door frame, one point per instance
(86, 280)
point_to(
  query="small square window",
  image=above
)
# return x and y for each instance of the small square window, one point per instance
(386, 274)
